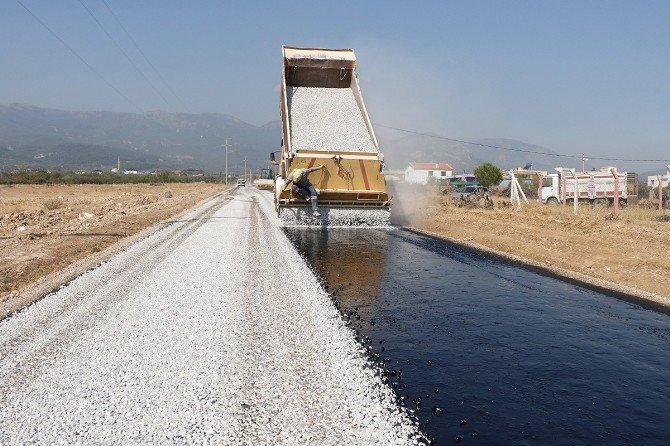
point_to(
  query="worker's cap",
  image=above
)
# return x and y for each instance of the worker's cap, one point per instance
(297, 175)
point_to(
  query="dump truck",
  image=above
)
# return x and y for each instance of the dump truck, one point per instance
(596, 187)
(324, 122)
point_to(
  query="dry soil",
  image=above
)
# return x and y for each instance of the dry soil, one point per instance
(633, 250)
(43, 229)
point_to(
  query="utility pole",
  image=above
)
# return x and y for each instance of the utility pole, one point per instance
(226, 145)
(245, 168)
(584, 158)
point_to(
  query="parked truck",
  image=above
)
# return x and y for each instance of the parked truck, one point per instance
(325, 123)
(596, 187)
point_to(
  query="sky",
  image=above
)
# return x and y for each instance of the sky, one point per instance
(573, 76)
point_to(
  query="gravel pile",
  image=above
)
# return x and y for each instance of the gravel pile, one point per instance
(327, 119)
(336, 217)
(211, 331)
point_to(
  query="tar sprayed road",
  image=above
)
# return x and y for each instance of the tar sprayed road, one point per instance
(486, 352)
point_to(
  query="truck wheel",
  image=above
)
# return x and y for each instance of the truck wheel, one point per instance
(600, 202)
(552, 201)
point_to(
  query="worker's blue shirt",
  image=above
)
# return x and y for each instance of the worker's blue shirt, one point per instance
(304, 181)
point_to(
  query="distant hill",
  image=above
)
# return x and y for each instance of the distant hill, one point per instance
(35, 137)
(38, 137)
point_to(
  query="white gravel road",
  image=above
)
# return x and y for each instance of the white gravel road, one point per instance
(211, 331)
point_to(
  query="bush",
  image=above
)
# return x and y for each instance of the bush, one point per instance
(643, 190)
(53, 204)
(488, 174)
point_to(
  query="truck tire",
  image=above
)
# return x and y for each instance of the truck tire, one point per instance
(600, 202)
(552, 201)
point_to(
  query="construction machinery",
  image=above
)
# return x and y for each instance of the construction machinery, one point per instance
(324, 122)
(266, 181)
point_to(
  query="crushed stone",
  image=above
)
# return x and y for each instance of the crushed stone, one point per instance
(212, 330)
(327, 119)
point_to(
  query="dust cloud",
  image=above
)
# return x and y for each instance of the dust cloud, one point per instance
(410, 202)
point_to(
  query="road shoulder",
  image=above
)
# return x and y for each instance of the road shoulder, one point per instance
(51, 282)
(604, 286)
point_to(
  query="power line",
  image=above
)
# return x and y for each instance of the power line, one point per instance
(123, 52)
(109, 84)
(512, 149)
(144, 55)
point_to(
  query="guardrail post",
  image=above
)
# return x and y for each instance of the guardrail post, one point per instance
(516, 192)
(616, 191)
(576, 196)
(565, 182)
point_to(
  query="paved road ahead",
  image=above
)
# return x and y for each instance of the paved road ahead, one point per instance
(213, 330)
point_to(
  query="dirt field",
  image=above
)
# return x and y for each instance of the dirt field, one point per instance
(633, 250)
(45, 228)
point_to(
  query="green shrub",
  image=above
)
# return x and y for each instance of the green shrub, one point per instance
(488, 174)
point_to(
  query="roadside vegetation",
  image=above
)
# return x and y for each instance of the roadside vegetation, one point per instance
(488, 174)
(43, 177)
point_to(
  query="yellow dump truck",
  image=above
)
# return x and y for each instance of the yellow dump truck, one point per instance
(324, 122)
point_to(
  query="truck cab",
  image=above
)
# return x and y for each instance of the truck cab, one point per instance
(551, 193)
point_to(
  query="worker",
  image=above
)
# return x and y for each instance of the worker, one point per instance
(303, 187)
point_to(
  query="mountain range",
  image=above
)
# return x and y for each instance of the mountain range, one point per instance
(33, 137)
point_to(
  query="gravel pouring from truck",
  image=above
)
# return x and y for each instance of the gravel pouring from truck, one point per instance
(324, 122)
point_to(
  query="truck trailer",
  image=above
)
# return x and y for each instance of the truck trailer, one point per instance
(325, 122)
(596, 187)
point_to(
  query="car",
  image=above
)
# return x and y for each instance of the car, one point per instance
(470, 190)
(241, 182)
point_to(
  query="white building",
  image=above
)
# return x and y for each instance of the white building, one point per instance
(420, 173)
(665, 179)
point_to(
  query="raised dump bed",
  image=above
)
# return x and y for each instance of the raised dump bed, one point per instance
(324, 122)
(319, 116)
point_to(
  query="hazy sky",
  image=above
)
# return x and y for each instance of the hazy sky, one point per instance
(572, 76)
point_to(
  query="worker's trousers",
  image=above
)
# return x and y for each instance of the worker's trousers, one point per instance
(307, 191)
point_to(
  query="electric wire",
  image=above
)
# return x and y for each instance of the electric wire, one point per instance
(77, 55)
(124, 53)
(512, 149)
(139, 50)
